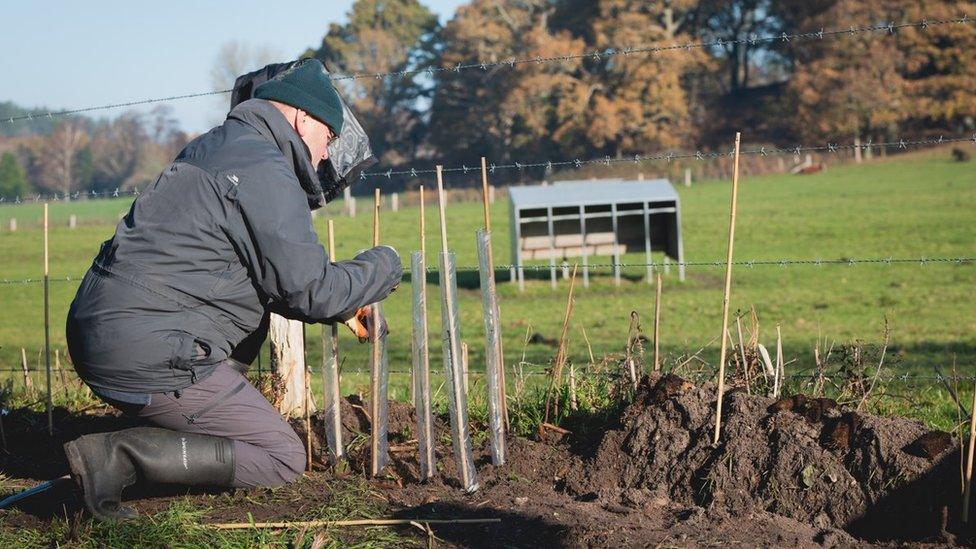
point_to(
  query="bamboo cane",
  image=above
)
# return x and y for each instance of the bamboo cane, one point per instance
(354, 522)
(47, 328)
(657, 326)
(967, 495)
(728, 291)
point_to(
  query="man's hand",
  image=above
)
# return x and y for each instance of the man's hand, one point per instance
(361, 324)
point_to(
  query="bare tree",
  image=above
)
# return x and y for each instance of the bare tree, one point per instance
(234, 59)
(59, 156)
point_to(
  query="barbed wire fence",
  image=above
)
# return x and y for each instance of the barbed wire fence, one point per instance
(548, 165)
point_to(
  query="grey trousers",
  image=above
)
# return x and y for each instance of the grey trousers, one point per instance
(267, 452)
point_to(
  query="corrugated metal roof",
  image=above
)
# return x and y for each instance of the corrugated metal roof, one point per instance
(601, 191)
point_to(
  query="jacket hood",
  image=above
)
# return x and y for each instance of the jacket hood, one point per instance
(272, 125)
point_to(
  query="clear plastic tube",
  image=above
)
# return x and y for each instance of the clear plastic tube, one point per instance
(494, 368)
(421, 366)
(456, 395)
(380, 373)
(330, 383)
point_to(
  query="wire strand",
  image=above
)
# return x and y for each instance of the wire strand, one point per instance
(845, 261)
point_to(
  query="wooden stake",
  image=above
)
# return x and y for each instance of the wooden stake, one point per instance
(47, 328)
(356, 522)
(967, 495)
(657, 326)
(486, 198)
(728, 292)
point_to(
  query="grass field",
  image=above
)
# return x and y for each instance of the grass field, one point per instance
(918, 205)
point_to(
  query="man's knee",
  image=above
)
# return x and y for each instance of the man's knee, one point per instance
(292, 458)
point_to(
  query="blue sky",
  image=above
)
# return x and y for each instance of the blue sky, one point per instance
(64, 54)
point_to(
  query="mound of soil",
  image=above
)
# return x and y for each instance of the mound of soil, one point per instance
(797, 473)
(811, 461)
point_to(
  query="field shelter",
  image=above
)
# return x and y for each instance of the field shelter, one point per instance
(584, 219)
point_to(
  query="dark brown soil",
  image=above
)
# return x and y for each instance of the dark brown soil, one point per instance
(778, 478)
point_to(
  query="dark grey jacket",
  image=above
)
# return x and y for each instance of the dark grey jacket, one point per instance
(221, 239)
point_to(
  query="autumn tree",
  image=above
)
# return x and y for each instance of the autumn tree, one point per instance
(588, 105)
(878, 85)
(939, 71)
(383, 36)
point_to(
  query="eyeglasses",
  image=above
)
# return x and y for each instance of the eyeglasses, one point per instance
(333, 138)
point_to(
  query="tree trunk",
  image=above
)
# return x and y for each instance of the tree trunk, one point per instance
(288, 364)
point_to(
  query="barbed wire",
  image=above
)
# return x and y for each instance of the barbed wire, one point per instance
(671, 156)
(544, 370)
(549, 165)
(750, 263)
(483, 65)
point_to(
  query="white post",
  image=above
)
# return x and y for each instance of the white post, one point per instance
(347, 199)
(72, 221)
(13, 224)
(352, 206)
(288, 362)
(491, 194)
(395, 202)
(640, 177)
(687, 177)
(857, 149)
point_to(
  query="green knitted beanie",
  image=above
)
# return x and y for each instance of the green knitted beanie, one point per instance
(309, 88)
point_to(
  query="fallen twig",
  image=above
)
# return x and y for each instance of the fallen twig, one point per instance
(352, 522)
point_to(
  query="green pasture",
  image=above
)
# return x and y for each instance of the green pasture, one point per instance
(912, 206)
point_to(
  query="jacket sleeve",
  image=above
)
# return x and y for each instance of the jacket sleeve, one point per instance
(290, 266)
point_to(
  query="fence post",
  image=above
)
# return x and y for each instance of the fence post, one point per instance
(47, 328)
(13, 224)
(395, 202)
(687, 177)
(288, 362)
